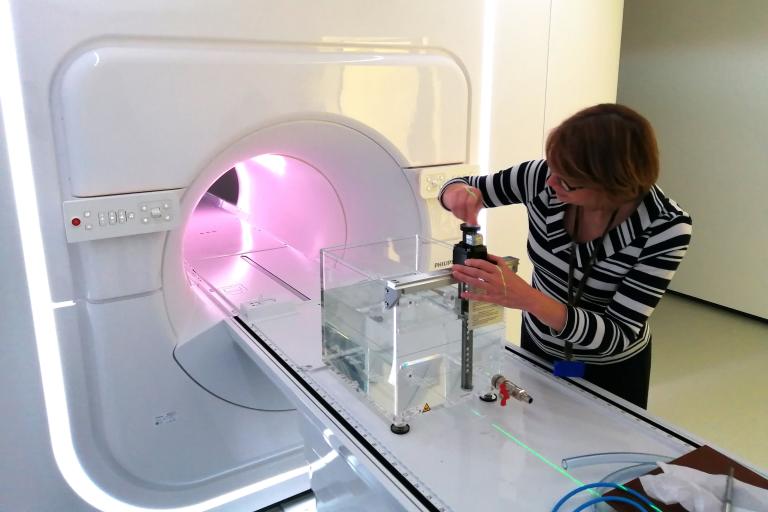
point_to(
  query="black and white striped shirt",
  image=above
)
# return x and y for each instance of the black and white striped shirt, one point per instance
(634, 265)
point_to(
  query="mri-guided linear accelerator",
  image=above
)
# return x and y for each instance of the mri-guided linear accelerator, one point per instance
(188, 163)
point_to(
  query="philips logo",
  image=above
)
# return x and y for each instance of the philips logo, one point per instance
(443, 264)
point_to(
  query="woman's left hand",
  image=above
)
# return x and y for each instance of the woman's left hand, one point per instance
(492, 281)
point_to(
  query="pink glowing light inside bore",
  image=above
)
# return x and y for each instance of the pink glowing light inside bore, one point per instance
(274, 163)
(244, 187)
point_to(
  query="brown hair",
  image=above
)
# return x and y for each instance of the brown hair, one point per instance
(608, 146)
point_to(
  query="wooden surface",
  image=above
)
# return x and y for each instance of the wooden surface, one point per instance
(704, 459)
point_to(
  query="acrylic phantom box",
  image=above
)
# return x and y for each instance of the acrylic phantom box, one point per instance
(391, 327)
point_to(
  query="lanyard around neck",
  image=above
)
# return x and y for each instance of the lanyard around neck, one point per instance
(574, 299)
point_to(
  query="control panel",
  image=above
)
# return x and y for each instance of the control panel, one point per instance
(95, 218)
(431, 179)
(428, 181)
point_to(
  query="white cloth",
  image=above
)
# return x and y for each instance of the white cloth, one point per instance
(697, 491)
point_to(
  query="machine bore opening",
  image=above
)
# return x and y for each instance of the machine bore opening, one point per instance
(255, 235)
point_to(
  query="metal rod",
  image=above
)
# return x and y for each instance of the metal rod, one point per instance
(423, 281)
(467, 342)
(727, 501)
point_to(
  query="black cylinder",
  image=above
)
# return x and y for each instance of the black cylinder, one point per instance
(471, 245)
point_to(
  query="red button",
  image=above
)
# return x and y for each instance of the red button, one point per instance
(75, 222)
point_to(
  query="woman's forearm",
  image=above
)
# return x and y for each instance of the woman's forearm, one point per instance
(551, 312)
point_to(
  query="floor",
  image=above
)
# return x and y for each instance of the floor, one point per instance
(710, 376)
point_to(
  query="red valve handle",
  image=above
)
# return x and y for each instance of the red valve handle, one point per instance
(504, 394)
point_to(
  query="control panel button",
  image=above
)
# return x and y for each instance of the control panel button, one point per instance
(156, 213)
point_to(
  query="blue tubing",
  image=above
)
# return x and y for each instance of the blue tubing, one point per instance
(602, 484)
(602, 499)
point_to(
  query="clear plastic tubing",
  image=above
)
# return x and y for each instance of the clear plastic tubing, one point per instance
(623, 475)
(613, 458)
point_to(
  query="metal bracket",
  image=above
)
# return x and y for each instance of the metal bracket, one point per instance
(415, 283)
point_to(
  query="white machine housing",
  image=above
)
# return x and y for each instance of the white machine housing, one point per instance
(334, 159)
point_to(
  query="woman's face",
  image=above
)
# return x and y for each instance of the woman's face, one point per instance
(572, 192)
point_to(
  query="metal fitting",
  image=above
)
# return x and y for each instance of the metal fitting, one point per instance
(508, 389)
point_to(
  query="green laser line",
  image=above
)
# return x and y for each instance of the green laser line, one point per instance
(541, 457)
(549, 462)
(536, 454)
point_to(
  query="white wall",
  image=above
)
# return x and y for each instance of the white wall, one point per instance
(699, 71)
(583, 69)
(579, 58)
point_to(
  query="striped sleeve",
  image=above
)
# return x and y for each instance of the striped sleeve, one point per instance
(624, 322)
(516, 185)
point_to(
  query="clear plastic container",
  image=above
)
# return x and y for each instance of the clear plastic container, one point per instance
(405, 359)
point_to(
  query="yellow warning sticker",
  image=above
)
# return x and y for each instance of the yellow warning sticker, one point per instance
(484, 313)
(426, 408)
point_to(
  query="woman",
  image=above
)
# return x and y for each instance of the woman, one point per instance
(603, 238)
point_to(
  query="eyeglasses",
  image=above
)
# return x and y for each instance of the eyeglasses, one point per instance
(565, 185)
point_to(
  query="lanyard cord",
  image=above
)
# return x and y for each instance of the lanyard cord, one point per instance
(574, 299)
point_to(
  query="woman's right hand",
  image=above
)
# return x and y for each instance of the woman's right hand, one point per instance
(464, 201)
